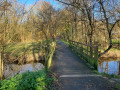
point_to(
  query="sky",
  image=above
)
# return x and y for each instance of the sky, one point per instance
(31, 2)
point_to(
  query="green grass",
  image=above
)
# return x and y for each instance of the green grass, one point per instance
(107, 75)
(17, 49)
(38, 80)
(65, 42)
(114, 41)
(112, 49)
(117, 87)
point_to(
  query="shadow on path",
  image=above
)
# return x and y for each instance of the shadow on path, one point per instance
(74, 74)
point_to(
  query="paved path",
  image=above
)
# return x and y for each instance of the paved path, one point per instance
(74, 74)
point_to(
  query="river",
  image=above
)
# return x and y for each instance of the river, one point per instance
(110, 66)
(11, 70)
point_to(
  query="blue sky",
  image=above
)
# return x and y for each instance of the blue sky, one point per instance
(30, 2)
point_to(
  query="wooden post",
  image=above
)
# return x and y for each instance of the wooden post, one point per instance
(1, 66)
(119, 68)
(77, 45)
(82, 48)
(87, 54)
(96, 58)
(47, 56)
(118, 44)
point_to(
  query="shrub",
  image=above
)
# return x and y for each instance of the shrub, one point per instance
(37, 80)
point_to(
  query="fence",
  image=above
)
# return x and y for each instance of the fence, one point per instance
(47, 46)
(87, 52)
(49, 54)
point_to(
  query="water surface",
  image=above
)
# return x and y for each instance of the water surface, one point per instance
(11, 70)
(109, 67)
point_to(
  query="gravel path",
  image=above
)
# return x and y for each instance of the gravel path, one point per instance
(74, 74)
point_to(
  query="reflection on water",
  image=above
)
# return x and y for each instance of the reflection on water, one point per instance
(110, 67)
(13, 69)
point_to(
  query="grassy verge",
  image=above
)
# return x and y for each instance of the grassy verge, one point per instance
(16, 49)
(110, 76)
(114, 41)
(107, 75)
(24, 52)
(117, 87)
(38, 80)
(65, 42)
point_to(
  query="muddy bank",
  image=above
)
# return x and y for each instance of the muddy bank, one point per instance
(112, 54)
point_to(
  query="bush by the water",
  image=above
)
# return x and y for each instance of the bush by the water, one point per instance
(37, 80)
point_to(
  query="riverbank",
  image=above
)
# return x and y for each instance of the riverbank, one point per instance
(32, 77)
(113, 53)
(38, 80)
(21, 53)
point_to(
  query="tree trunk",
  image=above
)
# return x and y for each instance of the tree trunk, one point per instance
(1, 66)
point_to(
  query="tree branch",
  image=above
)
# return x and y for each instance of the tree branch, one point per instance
(105, 51)
(70, 4)
(114, 24)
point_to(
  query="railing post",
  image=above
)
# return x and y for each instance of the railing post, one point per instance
(86, 52)
(1, 63)
(96, 58)
(88, 55)
(0, 67)
(96, 52)
(77, 45)
(118, 44)
(81, 48)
